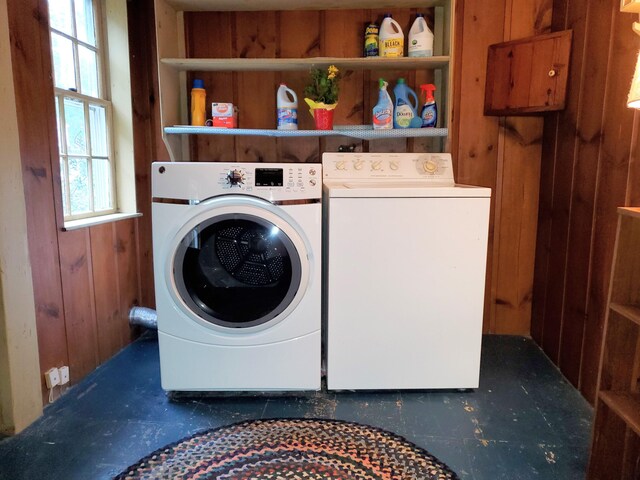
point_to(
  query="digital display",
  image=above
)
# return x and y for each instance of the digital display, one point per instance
(269, 177)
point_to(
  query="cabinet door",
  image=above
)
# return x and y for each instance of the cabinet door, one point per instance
(529, 75)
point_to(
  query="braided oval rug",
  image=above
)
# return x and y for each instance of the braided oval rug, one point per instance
(284, 449)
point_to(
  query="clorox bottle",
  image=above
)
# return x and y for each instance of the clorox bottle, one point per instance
(391, 38)
(287, 105)
(420, 38)
(405, 114)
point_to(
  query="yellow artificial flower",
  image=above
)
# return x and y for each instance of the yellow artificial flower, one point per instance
(333, 71)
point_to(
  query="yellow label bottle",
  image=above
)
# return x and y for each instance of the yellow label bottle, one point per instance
(198, 99)
(391, 38)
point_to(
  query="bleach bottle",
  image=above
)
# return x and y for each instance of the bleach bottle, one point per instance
(420, 38)
(391, 38)
(429, 112)
(383, 111)
(287, 105)
(405, 114)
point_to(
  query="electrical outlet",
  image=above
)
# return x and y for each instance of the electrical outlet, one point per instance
(52, 377)
(64, 375)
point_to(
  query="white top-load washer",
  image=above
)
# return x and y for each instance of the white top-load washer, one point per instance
(237, 275)
(405, 255)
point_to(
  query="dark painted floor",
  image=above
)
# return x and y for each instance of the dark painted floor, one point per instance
(524, 422)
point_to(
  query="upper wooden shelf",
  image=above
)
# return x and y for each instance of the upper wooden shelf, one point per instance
(303, 64)
(267, 5)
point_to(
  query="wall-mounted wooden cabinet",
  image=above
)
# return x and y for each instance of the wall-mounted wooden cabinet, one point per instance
(528, 75)
(175, 41)
(615, 449)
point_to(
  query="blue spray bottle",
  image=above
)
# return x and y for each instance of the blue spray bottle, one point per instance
(383, 111)
(429, 112)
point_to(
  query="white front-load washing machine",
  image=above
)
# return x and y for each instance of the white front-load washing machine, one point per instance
(405, 253)
(237, 275)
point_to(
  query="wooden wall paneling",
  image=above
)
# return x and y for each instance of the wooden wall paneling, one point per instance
(545, 226)
(611, 187)
(79, 303)
(591, 22)
(518, 200)
(201, 43)
(106, 290)
(256, 37)
(565, 157)
(552, 124)
(34, 92)
(300, 34)
(147, 142)
(126, 251)
(477, 136)
(342, 35)
(516, 230)
(456, 82)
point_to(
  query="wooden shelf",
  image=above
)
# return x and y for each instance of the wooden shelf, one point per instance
(267, 5)
(355, 131)
(630, 312)
(629, 211)
(303, 64)
(626, 405)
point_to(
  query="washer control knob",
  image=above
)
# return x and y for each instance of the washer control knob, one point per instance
(394, 165)
(358, 164)
(430, 166)
(312, 171)
(377, 165)
(235, 177)
(341, 165)
(312, 182)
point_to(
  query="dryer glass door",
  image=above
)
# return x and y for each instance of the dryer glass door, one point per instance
(237, 270)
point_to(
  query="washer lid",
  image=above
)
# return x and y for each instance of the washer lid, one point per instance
(395, 189)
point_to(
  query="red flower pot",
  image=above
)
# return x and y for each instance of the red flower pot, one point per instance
(323, 118)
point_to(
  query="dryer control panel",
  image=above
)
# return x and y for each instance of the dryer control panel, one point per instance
(433, 168)
(271, 181)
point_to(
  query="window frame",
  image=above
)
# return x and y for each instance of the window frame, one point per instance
(103, 100)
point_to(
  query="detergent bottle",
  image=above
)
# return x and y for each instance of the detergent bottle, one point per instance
(287, 105)
(420, 38)
(429, 112)
(383, 111)
(198, 97)
(405, 114)
(391, 38)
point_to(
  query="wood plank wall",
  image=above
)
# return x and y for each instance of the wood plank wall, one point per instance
(85, 280)
(589, 167)
(502, 153)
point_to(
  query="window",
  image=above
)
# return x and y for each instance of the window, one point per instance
(83, 112)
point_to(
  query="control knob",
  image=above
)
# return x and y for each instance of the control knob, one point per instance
(341, 165)
(235, 177)
(312, 182)
(358, 164)
(377, 165)
(394, 165)
(430, 166)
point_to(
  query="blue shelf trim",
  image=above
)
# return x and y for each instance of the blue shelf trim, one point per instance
(362, 132)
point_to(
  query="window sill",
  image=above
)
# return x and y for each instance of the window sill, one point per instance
(90, 222)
